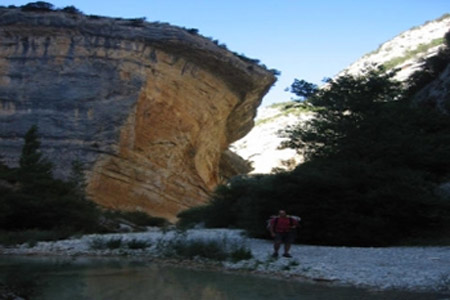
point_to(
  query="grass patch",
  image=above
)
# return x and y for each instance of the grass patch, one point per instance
(443, 17)
(422, 48)
(287, 108)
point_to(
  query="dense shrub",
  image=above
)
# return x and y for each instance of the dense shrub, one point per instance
(72, 10)
(192, 216)
(374, 162)
(47, 211)
(212, 249)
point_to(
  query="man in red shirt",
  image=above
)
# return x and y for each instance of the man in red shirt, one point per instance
(282, 229)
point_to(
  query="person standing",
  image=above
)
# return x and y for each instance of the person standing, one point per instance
(282, 229)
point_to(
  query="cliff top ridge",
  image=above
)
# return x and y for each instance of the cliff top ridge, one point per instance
(239, 72)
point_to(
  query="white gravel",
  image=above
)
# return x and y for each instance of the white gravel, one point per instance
(405, 268)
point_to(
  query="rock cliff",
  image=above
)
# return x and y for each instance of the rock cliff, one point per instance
(405, 51)
(148, 107)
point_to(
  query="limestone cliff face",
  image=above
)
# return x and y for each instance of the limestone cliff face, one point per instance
(150, 108)
(405, 51)
(261, 146)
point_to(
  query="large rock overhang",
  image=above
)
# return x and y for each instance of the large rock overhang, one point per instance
(149, 108)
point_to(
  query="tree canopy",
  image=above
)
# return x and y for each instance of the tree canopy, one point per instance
(374, 164)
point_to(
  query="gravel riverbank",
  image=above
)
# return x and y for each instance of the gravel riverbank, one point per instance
(404, 268)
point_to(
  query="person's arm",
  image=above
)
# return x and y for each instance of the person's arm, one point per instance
(294, 223)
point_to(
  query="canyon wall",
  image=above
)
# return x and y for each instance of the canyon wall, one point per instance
(149, 108)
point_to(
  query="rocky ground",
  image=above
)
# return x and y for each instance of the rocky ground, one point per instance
(403, 268)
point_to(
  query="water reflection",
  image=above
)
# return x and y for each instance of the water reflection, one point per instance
(96, 278)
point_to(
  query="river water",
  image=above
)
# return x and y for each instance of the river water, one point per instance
(133, 279)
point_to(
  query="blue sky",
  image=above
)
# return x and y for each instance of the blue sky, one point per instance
(303, 39)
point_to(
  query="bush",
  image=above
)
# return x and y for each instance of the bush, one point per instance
(240, 254)
(38, 6)
(114, 243)
(72, 10)
(137, 244)
(192, 31)
(100, 243)
(192, 216)
(209, 249)
(212, 249)
(137, 22)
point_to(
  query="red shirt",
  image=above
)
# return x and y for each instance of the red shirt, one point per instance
(283, 224)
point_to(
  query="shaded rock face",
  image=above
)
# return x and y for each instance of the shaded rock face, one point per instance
(150, 109)
(437, 93)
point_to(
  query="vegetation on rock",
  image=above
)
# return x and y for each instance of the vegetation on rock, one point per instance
(432, 67)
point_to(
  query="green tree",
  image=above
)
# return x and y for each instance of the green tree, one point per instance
(32, 165)
(348, 106)
(303, 89)
(41, 201)
(77, 179)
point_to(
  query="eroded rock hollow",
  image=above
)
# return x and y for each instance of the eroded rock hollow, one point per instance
(149, 108)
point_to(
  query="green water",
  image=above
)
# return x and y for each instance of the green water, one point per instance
(124, 278)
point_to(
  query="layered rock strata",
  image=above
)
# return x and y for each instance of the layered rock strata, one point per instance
(148, 107)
